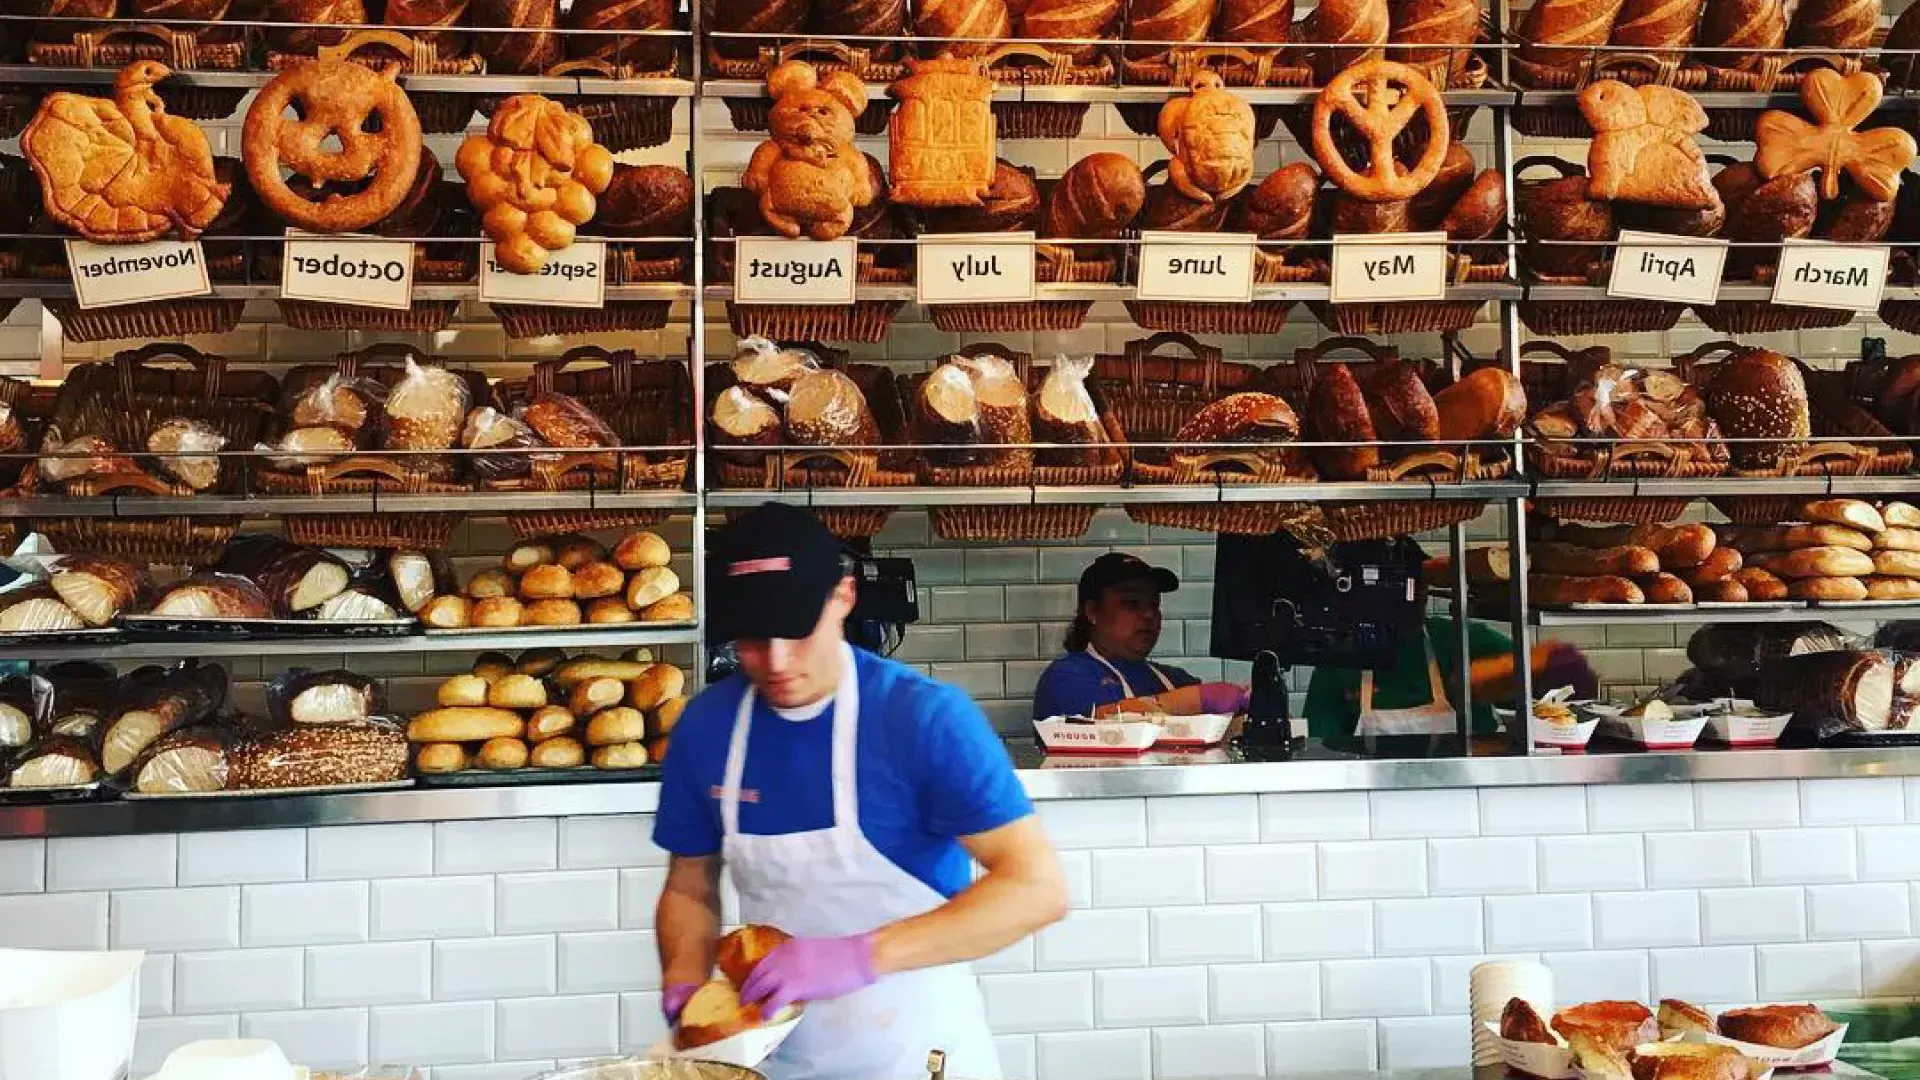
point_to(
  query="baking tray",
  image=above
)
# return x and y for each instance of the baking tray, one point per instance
(576, 628)
(1867, 740)
(170, 627)
(12, 796)
(268, 793)
(579, 774)
(93, 635)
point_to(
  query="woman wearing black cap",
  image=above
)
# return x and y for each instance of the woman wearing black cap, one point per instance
(1105, 669)
(849, 797)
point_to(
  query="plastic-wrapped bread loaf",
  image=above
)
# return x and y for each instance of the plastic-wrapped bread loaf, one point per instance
(99, 587)
(487, 428)
(762, 366)
(1831, 692)
(36, 609)
(191, 760)
(741, 417)
(186, 450)
(425, 409)
(561, 420)
(294, 577)
(55, 761)
(308, 446)
(215, 595)
(946, 411)
(1064, 412)
(1002, 395)
(368, 752)
(826, 408)
(157, 703)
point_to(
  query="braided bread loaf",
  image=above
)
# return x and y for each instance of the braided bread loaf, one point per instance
(1833, 24)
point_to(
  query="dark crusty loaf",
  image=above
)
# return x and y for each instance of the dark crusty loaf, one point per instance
(769, 17)
(433, 13)
(1560, 209)
(307, 15)
(1243, 417)
(1579, 24)
(1163, 21)
(1833, 24)
(1337, 411)
(1759, 394)
(1657, 24)
(1432, 31)
(523, 53)
(643, 53)
(1011, 204)
(315, 756)
(1071, 19)
(1095, 199)
(1254, 21)
(646, 200)
(1359, 24)
(976, 22)
(1281, 207)
(1750, 27)
(862, 18)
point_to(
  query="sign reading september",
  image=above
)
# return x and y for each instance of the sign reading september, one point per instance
(1674, 269)
(107, 275)
(575, 276)
(774, 270)
(1813, 274)
(366, 273)
(1370, 267)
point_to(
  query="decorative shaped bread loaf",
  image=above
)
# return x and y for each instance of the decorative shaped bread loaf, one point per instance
(1643, 147)
(1830, 145)
(1209, 132)
(533, 175)
(1380, 98)
(941, 138)
(808, 174)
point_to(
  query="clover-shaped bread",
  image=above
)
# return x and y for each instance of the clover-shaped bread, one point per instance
(1839, 104)
(533, 176)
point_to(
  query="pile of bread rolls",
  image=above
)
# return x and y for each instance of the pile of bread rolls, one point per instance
(715, 1011)
(1839, 549)
(568, 581)
(1639, 564)
(546, 711)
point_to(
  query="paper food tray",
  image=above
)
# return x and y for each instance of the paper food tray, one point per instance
(1548, 1061)
(1206, 729)
(1735, 729)
(747, 1049)
(1679, 733)
(1773, 1057)
(1063, 736)
(67, 1015)
(1569, 738)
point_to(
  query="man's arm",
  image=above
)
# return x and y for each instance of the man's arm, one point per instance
(1022, 890)
(687, 919)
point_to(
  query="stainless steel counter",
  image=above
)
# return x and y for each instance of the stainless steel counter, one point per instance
(1209, 773)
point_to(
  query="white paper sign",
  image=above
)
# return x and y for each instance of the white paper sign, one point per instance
(575, 276)
(1676, 269)
(106, 275)
(774, 270)
(1207, 268)
(1369, 267)
(974, 269)
(1813, 274)
(342, 270)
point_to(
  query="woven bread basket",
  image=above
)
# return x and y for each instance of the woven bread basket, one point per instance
(647, 404)
(439, 113)
(1569, 318)
(210, 49)
(1030, 64)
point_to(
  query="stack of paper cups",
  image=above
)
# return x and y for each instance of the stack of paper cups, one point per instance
(1494, 984)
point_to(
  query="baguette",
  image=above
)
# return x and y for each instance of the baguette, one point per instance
(1795, 537)
(1724, 591)
(1664, 589)
(1901, 514)
(502, 753)
(1678, 546)
(1762, 585)
(1892, 588)
(462, 724)
(1718, 566)
(1896, 538)
(441, 758)
(548, 722)
(462, 691)
(593, 695)
(559, 752)
(1850, 512)
(1898, 564)
(1624, 561)
(1827, 588)
(1816, 562)
(1603, 589)
(574, 672)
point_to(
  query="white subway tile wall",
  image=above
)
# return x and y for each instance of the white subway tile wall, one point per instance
(1210, 937)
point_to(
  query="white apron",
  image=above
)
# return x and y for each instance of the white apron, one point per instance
(1126, 691)
(1436, 717)
(829, 883)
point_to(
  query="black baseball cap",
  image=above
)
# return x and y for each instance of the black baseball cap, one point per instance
(1119, 568)
(769, 573)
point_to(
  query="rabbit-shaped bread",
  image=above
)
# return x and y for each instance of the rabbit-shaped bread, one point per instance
(809, 176)
(1643, 149)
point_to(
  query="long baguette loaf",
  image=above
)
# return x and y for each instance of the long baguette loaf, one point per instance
(1763, 586)
(1605, 589)
(1678, 546)
(1827, 588)
(1725, 591)
(1896, 538)
(1852, 513)
(1905, 564)
(1664, 589)
(1624, 561)
(1816, 562)
(1793, 537)
(1892, 588)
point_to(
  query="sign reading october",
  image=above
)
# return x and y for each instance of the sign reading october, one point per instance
(106, 275)
(774, 270)
(1206, 268)
(1369, 267)
(1676, 269)
(575, 276)
(974, 269)
(367, 273)
(1813, 274)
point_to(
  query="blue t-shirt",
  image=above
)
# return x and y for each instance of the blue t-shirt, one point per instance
(1076, 684)
(929, 770)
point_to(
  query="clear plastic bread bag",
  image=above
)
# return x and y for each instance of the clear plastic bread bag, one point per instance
(487, 428)
(168, 766)
(339, 401)
(337, 696)
(302, 447)
(425, 408)
(186, 450)
(764, 366)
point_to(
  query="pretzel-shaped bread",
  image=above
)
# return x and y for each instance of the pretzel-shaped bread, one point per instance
(1380, 98)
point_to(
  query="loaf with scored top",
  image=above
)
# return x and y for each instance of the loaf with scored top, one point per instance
(1359, 27)
(1577, 25)
(1095, 199)
(1750, 28)
(642, 52)
(1833, 24)
(1162, 23)
(519, 53)
(1656, 24)
(1070, 19)
(982, 21)
(1432, 31)
(1254, 21)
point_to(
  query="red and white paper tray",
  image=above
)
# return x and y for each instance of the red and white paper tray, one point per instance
(1547, 1061)
(1678, 732)
(1193, 732)
(1746, 729)
(1107, 735)
(1814, 1056)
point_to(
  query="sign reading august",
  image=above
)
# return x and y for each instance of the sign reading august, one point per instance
(772, 270)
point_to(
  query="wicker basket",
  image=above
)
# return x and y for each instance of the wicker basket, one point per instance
(1618, 461)
(1152, 395)
(874, 66)
(385, 363)
(1569, 318)
(621, 122)
(1814, 459)
(541, 523)
(1036, 65)
(115, 46)
(1635, 68)
(1079, 264)
(627, 266)
(864, 321)
(126, 398)
(1414, 316)
(1272, 265)
(1389, 518)
(423, 317)
(410, 531)
(161, 319)
(173, 541)
(1237, 65)
(647, 404)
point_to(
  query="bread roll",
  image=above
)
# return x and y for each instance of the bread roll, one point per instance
(1892, 588)
(523, 557)
(1763, 586)
(1826, 588)
(464, 724)
(542, 662)
(446, 613)
(1897, 538)
(502, 753)
(546, 582)
(594, 580)
(574, 552)
(1095, 199)
(571, 673)
(675, 608)
(650, 586)
(655, 686)
(640, 550)
(560, 752)
(498, 612)
(1724, 591)
(549, 721)
(620, 724)
(553, 612)
(1560, 589)
(488, 584)
(493, 665)
(1664, 589)
(621, 756)
(440, 758)
(667, 716)
(610, 609)
(462, 690)
(591, 696)
(517, 692)
(1719, 565)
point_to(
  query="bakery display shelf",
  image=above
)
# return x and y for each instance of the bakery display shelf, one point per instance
(60, 289)
(1711, 99)
(1117, 495)
(1117, 94)
(1894, 486)
(175, 629)
(583, 633)
(1701, 614)
(581, 774)
(576, 637)
(551, 85)
(264, 793)
(479, 502)
(1728, 291)
(1489, 292)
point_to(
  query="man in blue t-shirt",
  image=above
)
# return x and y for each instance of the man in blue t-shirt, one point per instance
(1105, 669)
(848, 796)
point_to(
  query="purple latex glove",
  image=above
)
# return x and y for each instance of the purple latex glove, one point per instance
(810, 969)
(1223, 698)
(1566, 667)
(673, 998)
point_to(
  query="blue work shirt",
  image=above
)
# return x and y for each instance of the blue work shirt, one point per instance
(929, 767)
